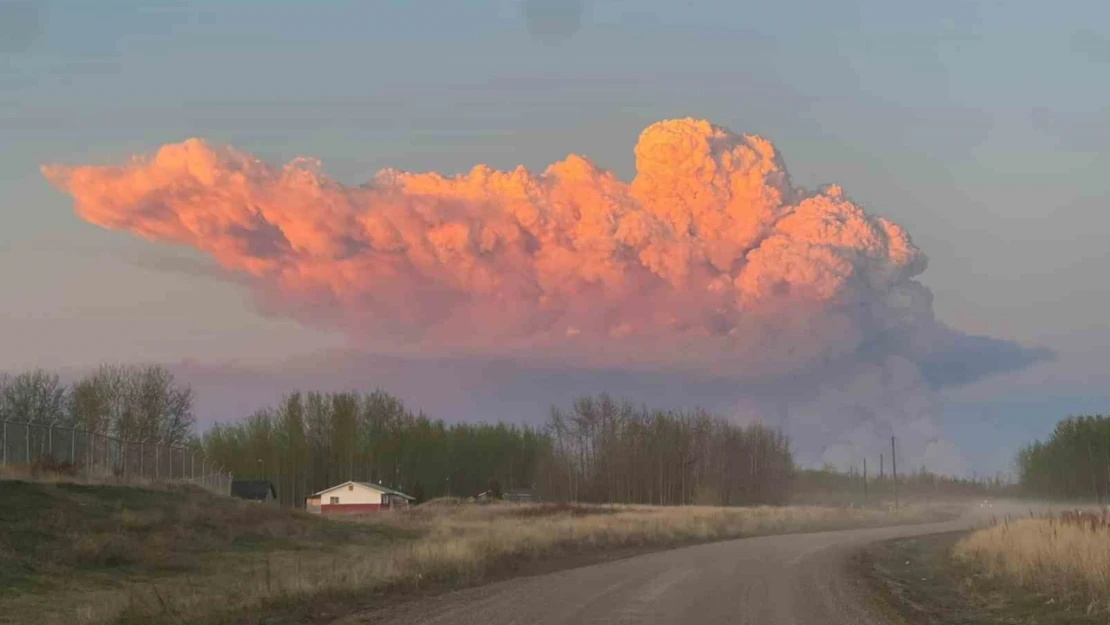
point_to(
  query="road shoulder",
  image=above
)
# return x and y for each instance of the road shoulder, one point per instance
(915, 581)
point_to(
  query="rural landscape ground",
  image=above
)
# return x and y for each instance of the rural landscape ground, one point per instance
(104, 554)
(117, 554)
(1050, 568)
(613, 513)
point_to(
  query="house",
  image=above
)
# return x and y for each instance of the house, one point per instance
(356, 498)
(261, 491)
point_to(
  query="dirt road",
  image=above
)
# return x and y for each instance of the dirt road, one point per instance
(799, 579)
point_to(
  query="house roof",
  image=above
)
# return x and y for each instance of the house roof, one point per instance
(371, 486)
(256, 490)
(385, 489)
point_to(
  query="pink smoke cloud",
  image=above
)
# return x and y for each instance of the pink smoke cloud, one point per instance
(709, 260)
(709, 246)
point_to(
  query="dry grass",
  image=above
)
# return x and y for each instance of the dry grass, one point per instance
(465, 544)
(1066, 556)
(443, 543)
(69, 549)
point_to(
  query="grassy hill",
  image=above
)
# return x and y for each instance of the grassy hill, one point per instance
(79, 543)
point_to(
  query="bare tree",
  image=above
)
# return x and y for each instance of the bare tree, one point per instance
(134, 402)
(34, 396)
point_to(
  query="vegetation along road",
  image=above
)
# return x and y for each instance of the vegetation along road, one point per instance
(796, 579)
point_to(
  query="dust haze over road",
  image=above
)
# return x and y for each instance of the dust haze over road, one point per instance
(799, 579)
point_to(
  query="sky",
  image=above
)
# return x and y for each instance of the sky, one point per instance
(980, 128)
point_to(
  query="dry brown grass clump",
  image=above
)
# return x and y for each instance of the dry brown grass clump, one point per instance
(1066, 556)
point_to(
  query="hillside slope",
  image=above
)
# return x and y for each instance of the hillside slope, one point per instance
(73, 541)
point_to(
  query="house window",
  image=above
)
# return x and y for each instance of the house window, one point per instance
(350, 486)
(334, 500)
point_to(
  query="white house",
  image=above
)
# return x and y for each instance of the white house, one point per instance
(356, 498)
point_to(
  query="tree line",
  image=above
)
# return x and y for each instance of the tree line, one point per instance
(1073, 463)
(609, 451)
(126, 401)
(311, 441)
(597, 449)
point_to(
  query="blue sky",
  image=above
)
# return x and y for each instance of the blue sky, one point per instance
(980, 126)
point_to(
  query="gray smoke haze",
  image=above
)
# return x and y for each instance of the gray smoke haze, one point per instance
(553, 21)
(21, 24)
(1080, 131)
(834, 415)
(1092, 45)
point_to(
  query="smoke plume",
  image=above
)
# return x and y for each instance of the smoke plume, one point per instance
(710, 262)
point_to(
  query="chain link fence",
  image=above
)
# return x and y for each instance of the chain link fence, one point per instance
(28, 448)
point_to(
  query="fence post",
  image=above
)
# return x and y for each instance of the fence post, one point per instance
(73, 447)
(5, 441)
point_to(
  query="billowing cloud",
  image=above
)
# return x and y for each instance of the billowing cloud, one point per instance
(708, 261)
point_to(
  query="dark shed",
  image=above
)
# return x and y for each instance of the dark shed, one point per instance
(253, 490)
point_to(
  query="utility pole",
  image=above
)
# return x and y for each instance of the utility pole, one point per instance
(894, 469)
(865, 480)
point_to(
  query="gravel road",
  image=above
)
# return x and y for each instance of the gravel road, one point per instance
(796, 579)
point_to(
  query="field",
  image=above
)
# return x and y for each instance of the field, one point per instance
(85, 555)
(1049, 566)
(1066, 557)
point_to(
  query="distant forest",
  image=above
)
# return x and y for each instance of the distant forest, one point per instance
(1073, 463)
(597, 449)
